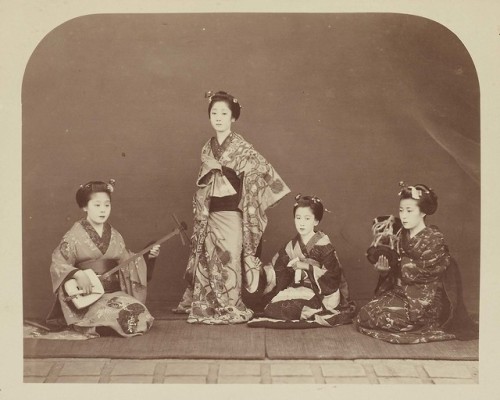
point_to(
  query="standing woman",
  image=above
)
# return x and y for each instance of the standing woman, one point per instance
(235, 187)
(420, 299)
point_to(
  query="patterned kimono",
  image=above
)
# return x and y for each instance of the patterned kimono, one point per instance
(319, 296)
(225, 239)
(122, 307)
(412, 302)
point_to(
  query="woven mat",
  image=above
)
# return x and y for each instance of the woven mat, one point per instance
(167, 339)
(345, 343)
(178, 339)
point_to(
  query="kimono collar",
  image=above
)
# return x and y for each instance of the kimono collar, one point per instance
(102, 243)
(312, 242)
(219, 149)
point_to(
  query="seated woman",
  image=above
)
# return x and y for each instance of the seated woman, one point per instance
(419, 299)
(122, 307)
(306, 280)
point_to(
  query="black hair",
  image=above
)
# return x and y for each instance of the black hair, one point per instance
(312, 202)
(428, 201)
(85, 191)
(230, 100)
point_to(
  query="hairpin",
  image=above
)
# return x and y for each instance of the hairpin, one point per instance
(208, 95)
(111, 185)
(416, 194)
(316, 200)
(402, 185)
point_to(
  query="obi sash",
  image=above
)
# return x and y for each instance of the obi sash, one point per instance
(100, 267)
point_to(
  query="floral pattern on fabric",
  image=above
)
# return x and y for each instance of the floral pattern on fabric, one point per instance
(122, 310)
(261, 188)
(217, 289)
(410, 305)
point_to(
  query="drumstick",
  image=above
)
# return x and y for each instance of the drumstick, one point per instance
(33, 323)
(184, 237)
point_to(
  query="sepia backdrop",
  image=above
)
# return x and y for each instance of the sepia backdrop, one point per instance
(343, 105)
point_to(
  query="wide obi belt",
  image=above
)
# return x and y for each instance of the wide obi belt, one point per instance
(100, 267)
(230, 202)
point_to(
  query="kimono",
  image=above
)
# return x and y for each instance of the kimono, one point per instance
(121, 308)
(225, 238)
(316, 297)
(420, 300)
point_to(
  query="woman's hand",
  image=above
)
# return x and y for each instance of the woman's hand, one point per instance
(382, 265)
(83, 282)
(212, 163)
(155, 251)
(301, 265)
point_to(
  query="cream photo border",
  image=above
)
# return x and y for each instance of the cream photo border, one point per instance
(24, 23)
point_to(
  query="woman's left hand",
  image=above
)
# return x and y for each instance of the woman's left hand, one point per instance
(301, 265)
(155, 251)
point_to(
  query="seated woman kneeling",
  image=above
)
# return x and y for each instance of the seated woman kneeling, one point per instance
(305, 280)
(121, 308)
(419, 300)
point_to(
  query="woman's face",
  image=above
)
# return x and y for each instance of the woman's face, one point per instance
(305, 221)
(410, 214)
(221, 117)
(98, 208)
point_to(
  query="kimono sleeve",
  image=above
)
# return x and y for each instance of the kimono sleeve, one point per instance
(284, 274)
(135, 273)
(327, 275)
(63, 267)
(263, 180)
(429, 264)
(261, 189)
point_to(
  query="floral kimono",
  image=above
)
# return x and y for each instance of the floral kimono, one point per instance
(316, 297)
(122, 307)
(417, 301)
(225, 239)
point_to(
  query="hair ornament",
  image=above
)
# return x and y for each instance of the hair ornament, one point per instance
(208, 95)
(403, 186)
(416, 194)
(316, 200)
(297, 197)
(235, 100)
(111, 185)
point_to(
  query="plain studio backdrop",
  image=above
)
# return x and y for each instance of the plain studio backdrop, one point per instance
(344, 106)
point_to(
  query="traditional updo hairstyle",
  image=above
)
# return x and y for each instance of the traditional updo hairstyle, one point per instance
(426, 199)
(85, 191)
(231, 101)
(312, 202)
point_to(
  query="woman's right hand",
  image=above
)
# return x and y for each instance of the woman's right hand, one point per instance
(212, 163)
(382, 265)
(83, 282)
